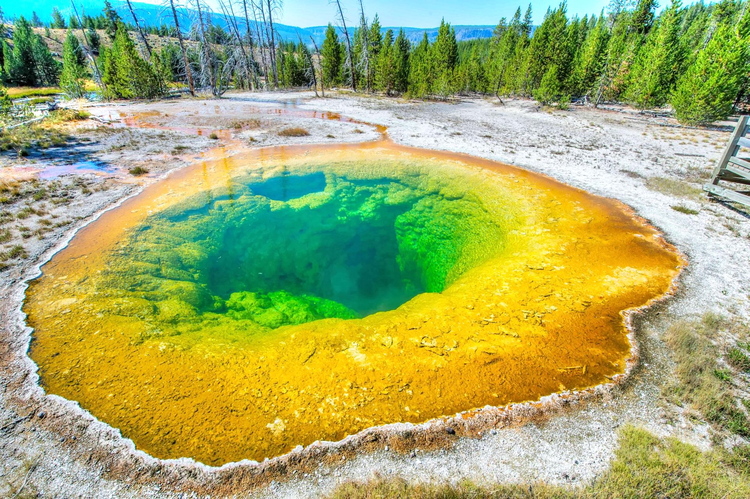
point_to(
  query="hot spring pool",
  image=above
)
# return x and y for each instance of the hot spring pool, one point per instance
(246, 306)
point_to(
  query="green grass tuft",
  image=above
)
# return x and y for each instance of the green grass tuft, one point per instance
(738, 359)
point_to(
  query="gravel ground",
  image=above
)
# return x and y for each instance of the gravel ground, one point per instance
(50, 447)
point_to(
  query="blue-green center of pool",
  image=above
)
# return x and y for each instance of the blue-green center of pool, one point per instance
(293, 248)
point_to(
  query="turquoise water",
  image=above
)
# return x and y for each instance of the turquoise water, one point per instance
(293, 248)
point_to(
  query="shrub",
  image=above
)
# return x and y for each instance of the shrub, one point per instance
(138, 171)
(294, 132)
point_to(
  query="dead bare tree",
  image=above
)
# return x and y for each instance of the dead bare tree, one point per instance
(271, 6)
(310, 69)
(261, 44)
(266, 13)
(249, 36)
(89, 52)
(210, 72)
(349, 55)
(364, 56)
(322, 74)
(248, 66)
(185, 60)
(138, 27)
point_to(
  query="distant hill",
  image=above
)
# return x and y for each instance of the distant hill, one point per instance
(415, 34)
(155, 15)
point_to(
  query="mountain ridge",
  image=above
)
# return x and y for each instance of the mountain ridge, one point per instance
(155, 15)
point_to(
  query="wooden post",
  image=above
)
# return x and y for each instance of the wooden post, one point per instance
(732, 169)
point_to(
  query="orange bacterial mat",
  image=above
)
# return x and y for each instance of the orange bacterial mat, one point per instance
(247, 305)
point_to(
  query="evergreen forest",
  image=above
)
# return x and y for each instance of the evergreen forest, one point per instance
(693, 58)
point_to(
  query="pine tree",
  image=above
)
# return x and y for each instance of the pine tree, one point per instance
(6, 105)
(73, 23)
(506, 37)
(364, 61)
(550, 88)
(473, 75)
(46, 68)
(171, 58)
(444, 57)
(658, 63)
(693, 35)
(19, 62)
(420, 69)
(35, 20)
(707, 91)
(126, 74)
(112, 19)
(589, 61)
(549, 47)
(375, 39)
(610, 85)
(527, 23)
(386, 65)
(401, 49)
(332, 57)
(57, 20)
(94, 40)
(74, 70)
(643, 17)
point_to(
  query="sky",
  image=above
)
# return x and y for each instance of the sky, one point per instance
(419, 13)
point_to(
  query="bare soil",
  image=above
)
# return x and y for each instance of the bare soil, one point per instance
(51, 447)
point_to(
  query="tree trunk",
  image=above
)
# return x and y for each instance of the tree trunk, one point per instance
(207, 59)
(365, 36)
(273, 44)
(89, 53)
(311, 66)
(263, 59)
(250, 42)
(348, 46)
(322, 73)
(140, 30)
(185, 60)
(231, 21)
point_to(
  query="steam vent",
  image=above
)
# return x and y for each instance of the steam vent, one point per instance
(246, 306)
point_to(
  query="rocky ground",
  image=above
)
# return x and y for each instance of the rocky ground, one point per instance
(49, 447)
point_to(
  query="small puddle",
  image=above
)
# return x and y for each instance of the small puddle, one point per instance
(56, 170)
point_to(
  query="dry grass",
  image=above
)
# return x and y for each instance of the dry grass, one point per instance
(644, 466)
(685, 210)
(672, 187)
(138, 171)
(246, 124)
(66, 115)
(25, 138)
(23, 92)
(41, 135)
(294, 132)
(702, 383)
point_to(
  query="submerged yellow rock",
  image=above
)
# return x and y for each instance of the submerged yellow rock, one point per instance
(246, 306)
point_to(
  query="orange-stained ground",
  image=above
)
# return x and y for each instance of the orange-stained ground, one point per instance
(546, 317)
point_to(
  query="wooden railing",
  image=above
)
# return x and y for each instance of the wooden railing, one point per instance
(731, 168)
